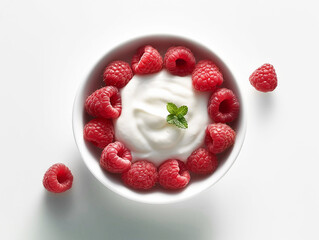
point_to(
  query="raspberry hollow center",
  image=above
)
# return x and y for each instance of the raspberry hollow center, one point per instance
(120, 153)
(141, 55)
(180, 63)
(61, 178)
(113, 100)
(224, 106)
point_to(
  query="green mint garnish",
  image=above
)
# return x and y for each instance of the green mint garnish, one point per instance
(176, 115)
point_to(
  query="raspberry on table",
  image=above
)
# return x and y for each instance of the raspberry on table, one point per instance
(99, 131)
(118, 74)
(104, 102)
(201, 161)
(219, 137)
(179, 61)
(173, 174)
(147, 60)
(206, 76)
(142, 175)
(116, 158)
(223, 106)
(264, 78)
(58, 178)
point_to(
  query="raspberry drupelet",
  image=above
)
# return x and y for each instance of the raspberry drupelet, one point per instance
(201, 161)
(116, 158)
(99, 131)
(173, 174)
(179, 61)
(223, 106)
(117, 74)
(219, 137)
(147, 60)
(58, 178)
(264, 78)
(141, 176)
(104, 102)
(206, 76)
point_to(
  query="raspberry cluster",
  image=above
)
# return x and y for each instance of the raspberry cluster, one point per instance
(104, 105)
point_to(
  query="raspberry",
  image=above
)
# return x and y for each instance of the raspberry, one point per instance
(58, 178)
(173, 174)
(179, 61)
(219, 137)
(223, 106)
(99, 131)
(116, 158)
(264, 79)
(202, 161)
(206, 76)
(142, 175)
(118, 74)
(104, 102)
(147, 60)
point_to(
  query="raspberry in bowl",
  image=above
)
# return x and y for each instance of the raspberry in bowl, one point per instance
(157, 73)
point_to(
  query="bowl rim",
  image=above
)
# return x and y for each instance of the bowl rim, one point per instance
(243, 125)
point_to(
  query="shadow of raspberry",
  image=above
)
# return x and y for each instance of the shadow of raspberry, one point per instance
(91, 211)
(263, 104)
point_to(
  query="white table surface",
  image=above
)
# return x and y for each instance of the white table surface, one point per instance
(271, 192)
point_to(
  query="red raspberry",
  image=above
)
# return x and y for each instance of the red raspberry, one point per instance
(179, 61)
(147, 60)
(206, 76)
(264, 79)
(118, 74)
(223, 106)
(99, 131)
(202, 161)
(219, 137)
(104, 102)
(142, 175)
(58, 178)
(116, 158)
(173, 174)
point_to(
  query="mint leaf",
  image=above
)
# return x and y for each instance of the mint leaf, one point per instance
(170, 118)
(179, 124)
(171, 108)
(175, 121)
(182, 110)
(183, 121)
(176, 116)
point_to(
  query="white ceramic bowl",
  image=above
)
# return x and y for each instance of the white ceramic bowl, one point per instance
(91, 154)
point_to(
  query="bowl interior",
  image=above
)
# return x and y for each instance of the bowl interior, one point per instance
(91, 154)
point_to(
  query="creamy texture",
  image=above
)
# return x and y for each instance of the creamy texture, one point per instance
(142, 126)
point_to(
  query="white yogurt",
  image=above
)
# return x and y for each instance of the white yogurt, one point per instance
(142, 126)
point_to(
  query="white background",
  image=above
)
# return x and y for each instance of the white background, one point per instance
(48, 47)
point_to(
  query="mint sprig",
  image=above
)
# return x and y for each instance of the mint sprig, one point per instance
(176, 115)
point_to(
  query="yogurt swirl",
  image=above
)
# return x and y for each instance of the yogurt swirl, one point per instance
(142, 125)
